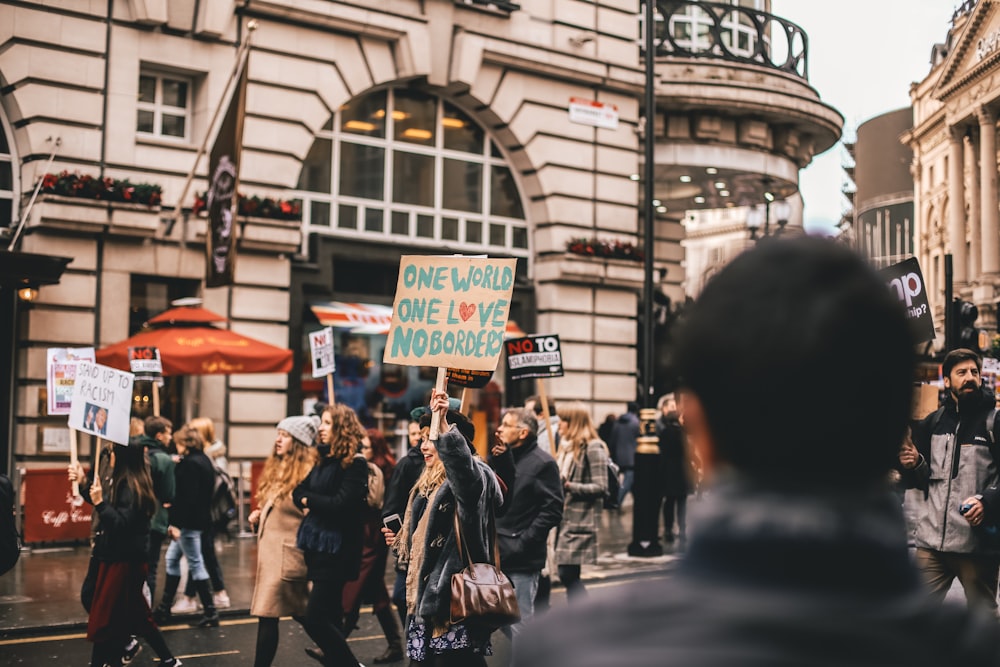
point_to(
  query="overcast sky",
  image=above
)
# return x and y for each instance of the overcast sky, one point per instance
(863, 55)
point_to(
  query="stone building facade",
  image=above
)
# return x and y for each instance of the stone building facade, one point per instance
(399, 127)
(954, 165)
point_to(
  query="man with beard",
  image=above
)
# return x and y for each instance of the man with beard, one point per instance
(952, 461)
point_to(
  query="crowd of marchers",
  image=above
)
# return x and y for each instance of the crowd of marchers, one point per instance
(799, 555)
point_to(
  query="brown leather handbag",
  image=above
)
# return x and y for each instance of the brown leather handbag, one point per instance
(481, 594)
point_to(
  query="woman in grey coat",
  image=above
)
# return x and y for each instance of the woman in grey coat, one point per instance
(583, 464)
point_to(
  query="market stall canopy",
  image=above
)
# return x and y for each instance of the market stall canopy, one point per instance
(189, 345)
(370, 318)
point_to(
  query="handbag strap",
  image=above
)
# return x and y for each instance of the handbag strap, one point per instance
(460, 536)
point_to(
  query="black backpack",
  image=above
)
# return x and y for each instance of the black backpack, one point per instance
(223, 506)
(10, 540)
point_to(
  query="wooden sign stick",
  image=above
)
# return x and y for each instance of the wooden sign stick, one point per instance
(74, 459)
(156, 399)
(464, 409)
(329, 387)
(441, 384)
(545, 413)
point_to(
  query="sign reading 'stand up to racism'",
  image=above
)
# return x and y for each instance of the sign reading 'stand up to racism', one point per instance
(450, 312)
(102, 401)
(907, 282)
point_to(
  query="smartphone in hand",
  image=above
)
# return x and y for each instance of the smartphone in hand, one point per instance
(393, 523)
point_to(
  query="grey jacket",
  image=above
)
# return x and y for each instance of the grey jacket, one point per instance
(956, 463)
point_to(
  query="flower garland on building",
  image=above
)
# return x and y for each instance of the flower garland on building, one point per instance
(84, 186)
(604, 249)
(260, 207)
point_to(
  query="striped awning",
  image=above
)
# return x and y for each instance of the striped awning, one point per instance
(367, 318)
(370, 318)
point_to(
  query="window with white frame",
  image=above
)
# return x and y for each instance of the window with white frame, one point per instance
(6, 180)
(164, 105)
(405, 166)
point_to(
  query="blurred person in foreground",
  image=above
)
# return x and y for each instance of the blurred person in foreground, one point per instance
(799, 555)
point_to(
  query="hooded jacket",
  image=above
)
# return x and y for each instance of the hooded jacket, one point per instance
(956, 462)
(535, 506)
(161, 470)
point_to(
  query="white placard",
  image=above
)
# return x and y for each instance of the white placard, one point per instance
(102, 401)
(321, 350)
(592, 112)
(60, 371)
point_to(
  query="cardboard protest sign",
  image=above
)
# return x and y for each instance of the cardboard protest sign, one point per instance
(60, 373)
(534, 357)
(145, 363)
(102, 401)
(321, 351)
(469, 379)
(906, 280)
(450, 312)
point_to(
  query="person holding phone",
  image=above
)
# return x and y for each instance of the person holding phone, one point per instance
(455, 482)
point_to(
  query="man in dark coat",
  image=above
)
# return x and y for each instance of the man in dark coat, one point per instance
(534, 507)
(798, 555)
(675, 470)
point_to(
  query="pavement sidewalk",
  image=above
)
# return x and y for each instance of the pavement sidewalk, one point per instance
(42, 592)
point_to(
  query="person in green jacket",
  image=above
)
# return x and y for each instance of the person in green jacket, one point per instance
(158, 432)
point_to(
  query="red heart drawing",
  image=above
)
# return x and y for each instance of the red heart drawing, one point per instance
(465, 310)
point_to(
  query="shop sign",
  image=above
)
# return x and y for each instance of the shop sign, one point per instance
(592, 112)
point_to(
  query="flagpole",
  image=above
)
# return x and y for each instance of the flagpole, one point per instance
(241, 59)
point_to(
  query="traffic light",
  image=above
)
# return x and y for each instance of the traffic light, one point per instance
(963, 316)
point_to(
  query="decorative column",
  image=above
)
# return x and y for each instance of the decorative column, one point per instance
(972, 189)
(990, 238)
(956, 206)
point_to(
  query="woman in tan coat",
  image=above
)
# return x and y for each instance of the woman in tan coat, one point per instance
(281, 588)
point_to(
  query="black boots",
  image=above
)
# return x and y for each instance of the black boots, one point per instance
(389, 621)
(162, 612)
(211, 617)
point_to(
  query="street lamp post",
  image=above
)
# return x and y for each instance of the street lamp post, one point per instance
(646, 485)
(757, 217)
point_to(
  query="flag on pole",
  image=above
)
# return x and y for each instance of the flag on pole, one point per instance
(224, 171)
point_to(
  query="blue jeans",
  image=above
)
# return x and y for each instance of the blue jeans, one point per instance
(189, 546)
(525, 587)
(629, 479)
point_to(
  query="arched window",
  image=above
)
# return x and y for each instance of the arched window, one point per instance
(6, 179)
(405, 166)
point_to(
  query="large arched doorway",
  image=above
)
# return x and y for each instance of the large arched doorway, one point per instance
(396, 171)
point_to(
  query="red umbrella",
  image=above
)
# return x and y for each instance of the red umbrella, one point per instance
(189, 345)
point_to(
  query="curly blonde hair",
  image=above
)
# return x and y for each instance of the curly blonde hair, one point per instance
(346, 433)
(281, 474)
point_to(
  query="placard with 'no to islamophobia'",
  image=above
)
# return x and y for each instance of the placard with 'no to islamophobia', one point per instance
(450, 311)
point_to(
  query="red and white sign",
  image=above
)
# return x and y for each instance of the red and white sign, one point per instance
(51, 513)
(592, 112)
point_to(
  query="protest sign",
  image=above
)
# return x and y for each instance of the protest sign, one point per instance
(321, 351)
(450, 312)
(534, 357)
(102, 401)
(907, 282)
(469, 379)
(145, 363)
(60, 372)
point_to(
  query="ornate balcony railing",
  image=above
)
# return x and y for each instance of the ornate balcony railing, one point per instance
(711, 30)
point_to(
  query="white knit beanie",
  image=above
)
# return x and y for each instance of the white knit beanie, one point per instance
(302, 428)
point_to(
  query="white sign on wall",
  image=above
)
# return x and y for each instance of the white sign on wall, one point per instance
(321, 347)
(592, 112)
